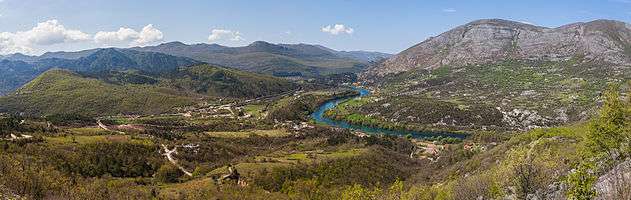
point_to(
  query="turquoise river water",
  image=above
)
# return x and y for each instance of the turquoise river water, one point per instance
(319, 117)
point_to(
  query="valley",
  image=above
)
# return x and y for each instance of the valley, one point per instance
(492, 109)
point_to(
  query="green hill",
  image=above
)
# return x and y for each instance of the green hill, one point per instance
(132, 92)
(16, 73)
(216, 81)
(60, 91)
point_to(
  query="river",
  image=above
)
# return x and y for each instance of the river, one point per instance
(319, 117)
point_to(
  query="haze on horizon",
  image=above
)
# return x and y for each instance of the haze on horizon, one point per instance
(34, 27)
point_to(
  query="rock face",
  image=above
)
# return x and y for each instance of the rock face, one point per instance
(615, 184)
(489, 40)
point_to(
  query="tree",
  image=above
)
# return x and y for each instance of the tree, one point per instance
(168, 173)
(609, 129)
(359, 192)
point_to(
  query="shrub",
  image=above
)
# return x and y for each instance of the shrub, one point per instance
(168, 174)
(580, 183)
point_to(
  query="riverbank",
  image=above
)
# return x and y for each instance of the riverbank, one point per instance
(320, 117)
(299, 106)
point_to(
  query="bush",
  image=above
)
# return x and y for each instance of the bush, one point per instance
(168, 174)
(201, 170)
(8, 124)
(115, 159)
(70, 119)
(580, 184)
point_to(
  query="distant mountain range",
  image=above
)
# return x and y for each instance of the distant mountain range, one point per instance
(283, 60)
(275, 59)
(17, 72)
(534, 76)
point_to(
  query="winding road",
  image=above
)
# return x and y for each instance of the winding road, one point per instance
(169, 155)
(104, 127)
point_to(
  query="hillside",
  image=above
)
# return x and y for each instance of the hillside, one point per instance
(120, 59)
(14, 74)
(275, 59)
(136, 92)
(527, 76)
(492, 40)
(222, 82)
(18, 72)
(61, 91)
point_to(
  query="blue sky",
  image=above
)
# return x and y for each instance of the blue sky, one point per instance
(387, 26)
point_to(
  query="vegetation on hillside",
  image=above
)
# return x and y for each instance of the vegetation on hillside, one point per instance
(222, 82)
(282, 60)
(312, 162)
(510, 94)
(64, 92)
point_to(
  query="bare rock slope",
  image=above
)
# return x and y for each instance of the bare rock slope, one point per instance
(490, 40)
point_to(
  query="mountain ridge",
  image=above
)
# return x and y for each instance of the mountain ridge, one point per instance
(489, 40)
(18, 73)
(304, 60)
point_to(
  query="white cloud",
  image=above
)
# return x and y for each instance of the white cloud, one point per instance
(147, 35)
(222, 34)
(337, 29)
(10, 44)
(122, 35)
(44, 34)
(449, 10)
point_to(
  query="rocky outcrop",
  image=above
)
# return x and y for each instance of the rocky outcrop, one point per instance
(615, 184)
(491, 40)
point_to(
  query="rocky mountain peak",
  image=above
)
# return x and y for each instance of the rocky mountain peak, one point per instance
(492, 40)
(503, 23)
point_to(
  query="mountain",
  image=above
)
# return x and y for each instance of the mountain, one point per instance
(58, 91)
(61, 91)
(490, 40)
(68, 55)
(15, 73)
(499, 74)
(283, 60)
(19, 57)
(215, 81)
(18, 72)
(120, 59)
(364, 56)
(275, 59)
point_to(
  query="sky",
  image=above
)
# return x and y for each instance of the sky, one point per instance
(37, 26)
